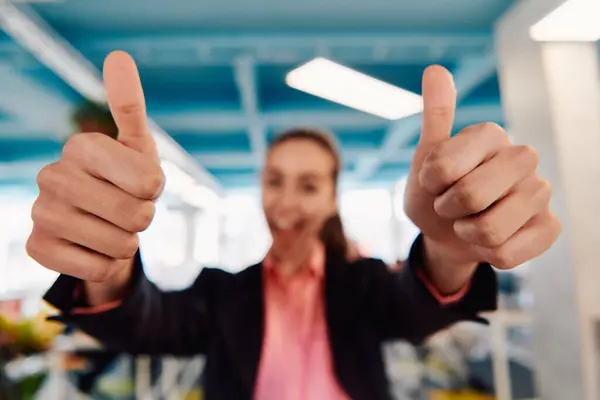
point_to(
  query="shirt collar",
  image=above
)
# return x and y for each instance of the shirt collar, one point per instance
(316, 263)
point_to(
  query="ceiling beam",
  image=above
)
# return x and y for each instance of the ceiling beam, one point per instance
(245, 78)
(200, 121)
(28, 29)
(287, 47)
(268, 39)
(472, 72)
(365, 163)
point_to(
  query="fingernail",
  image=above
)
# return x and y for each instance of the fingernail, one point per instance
(464, 231)
(446, 206)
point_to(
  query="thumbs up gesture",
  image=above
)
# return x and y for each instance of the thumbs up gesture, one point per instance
(476, 197)
(95, 200)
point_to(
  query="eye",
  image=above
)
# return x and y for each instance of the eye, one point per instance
(273, 182)
(309, 188)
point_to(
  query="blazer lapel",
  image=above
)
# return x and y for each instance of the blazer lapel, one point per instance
(244, 321)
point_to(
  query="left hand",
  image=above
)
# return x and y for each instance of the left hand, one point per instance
(476, 197)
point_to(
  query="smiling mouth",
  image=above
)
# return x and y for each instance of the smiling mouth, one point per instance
(285, 226)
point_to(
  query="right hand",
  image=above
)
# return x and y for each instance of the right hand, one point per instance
(95, 200)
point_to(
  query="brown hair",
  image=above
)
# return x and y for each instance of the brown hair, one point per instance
(96, 114)
(332, 233)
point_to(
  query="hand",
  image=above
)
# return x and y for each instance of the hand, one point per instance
(476, 197)
(100, 194)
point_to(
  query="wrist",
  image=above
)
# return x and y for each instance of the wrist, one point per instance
(447, 269)
(115, 288)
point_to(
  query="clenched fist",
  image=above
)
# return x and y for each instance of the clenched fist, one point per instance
(476, 196)
(96, 199)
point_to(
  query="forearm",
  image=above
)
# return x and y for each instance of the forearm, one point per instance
(449, 274)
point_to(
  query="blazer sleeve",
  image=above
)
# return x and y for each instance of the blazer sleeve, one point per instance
(147, 320)
(405, 307)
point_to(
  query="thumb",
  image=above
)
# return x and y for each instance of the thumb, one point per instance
(126, 101)
(439, 104)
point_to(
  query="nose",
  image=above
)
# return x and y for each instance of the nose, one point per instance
(288, 199)
(286, 205)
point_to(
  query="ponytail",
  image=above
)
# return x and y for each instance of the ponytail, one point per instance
(334, 238)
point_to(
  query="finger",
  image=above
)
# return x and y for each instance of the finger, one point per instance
(439, 104)
(109, 160)
(529, 242)
(70, 259)
(126, 101)
(65, 222)
(455, 158)
(96, 197)
(487, 183)
(496, 225)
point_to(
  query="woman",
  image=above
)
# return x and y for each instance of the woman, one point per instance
(290, 326)
(307, 322)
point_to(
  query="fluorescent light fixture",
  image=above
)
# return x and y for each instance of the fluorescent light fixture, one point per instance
(334, 82)
(573, 21)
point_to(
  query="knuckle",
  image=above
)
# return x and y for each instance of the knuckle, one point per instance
(555, 226)
(502, 258)
(487, 232)
(127, 247)
(33, 247)
(467, 198)
(142, 218)
(528, 154)
(491, 128)
(545, 191)
(79, 146)
(39, 212)
(441, 111)
(131, 108)
(40, 251)
(439, 167)
(48, 177)
(151, 184)
(495, 130)
(75, 146)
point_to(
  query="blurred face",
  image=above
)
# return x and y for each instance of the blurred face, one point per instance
(298, 195)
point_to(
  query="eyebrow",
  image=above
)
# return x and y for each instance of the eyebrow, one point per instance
(311, 177)
(303, 176)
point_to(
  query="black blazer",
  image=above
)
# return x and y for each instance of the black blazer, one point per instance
(221, 316)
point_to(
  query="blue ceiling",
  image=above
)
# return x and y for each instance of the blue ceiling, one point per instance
(213, 73)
